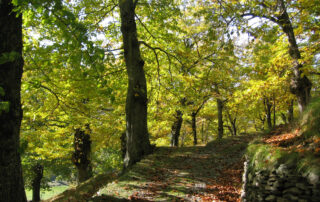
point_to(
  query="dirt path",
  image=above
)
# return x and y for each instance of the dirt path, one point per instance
(202, 173)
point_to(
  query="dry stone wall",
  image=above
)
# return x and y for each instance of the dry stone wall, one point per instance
(282, 183)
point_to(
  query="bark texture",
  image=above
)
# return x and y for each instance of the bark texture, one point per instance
(176, 127)
(36, 182)
(11, 183)
(138, 143)
(81, 155)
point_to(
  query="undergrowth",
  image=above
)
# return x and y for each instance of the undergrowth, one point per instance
(297, 145)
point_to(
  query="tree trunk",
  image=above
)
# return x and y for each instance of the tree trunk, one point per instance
(11, 182)
(81, 155)
(274, 111)
(268, 107)
(194, 128)
(202, 132)
(284, 118)
(262, 119)
(175, 130)
(36, 182)
(220, 118)
(300, 84)
(138, 143)
(290, 112)
(123, 140)
(233, 128)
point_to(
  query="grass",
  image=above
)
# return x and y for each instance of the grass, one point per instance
(47, 193)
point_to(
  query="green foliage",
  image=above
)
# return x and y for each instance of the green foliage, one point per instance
(74, 74)
(106, 159)
(9, 57)
(4, 106)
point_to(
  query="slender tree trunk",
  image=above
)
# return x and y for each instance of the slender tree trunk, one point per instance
(233, 128)
(36, 182)
(194, 120)
(268, 107)
(290, 112)
(220, 118)
(11, 182)
(300, 84)
(138, 143)
(175, 130)
(274, 111)
(194, 128)
(81, 155)
(284, 118)
(202, 132)
(262, 119)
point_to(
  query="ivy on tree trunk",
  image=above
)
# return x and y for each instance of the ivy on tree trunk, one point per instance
(11, 68)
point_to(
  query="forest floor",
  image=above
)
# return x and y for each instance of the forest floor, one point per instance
(201, 173)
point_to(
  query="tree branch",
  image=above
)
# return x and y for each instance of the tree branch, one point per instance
(261, 16)
(143, 25)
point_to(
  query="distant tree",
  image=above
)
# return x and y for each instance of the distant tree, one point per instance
(11, 67)
(176, 127)
(36, 182)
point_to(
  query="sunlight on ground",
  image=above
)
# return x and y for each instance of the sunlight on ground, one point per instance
(47, 194)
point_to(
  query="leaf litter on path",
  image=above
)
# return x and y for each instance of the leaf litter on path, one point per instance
(200, 173)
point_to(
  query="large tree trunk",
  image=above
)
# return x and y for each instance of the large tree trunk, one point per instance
(175, 130)
(194, 128)
(300, 84)
(220, 118)
(138, 143)
(81, 155)
(36, 182)
(11, 182)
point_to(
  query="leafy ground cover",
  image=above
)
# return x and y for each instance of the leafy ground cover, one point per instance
(202, 173)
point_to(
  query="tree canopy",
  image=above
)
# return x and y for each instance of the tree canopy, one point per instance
(156, 70)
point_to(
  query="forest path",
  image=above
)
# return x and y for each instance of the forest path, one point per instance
(201, 173)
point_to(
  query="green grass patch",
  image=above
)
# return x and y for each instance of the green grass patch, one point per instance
(46, 194)
(310, 120)
(265, 156)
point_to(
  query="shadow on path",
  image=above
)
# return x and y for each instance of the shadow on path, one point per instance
(201, 173)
